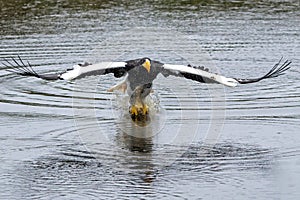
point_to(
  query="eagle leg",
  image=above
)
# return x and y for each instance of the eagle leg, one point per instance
(122, 86)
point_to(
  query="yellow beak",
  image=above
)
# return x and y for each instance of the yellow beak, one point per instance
(147, 65)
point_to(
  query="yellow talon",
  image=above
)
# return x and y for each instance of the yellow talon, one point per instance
(145, 109)
(139, 113)
(133, 111)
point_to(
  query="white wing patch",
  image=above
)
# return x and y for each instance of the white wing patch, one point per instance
(81, 70)
(215, 77)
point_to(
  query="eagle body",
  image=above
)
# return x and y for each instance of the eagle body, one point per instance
(139, 76)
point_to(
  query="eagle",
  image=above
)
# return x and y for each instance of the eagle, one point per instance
(139, 76)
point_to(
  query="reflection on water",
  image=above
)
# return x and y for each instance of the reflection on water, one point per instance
(132, 143)
(71, 140)
(67, 172)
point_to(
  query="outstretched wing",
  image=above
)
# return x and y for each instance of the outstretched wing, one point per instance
(202, 75)
(199, 74)
(78, 71)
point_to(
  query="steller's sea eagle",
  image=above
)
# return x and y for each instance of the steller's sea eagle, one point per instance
(139, 75)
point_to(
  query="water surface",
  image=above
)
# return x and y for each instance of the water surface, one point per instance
(62, 140)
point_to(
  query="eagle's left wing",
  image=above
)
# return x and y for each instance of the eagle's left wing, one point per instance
(201, 74)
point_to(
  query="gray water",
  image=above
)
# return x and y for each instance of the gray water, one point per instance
(65, 140)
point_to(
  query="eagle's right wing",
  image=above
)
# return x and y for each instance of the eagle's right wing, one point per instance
(78, 71)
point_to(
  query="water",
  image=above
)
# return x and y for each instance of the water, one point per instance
(63, 140)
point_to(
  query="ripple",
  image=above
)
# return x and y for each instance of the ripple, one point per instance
(74, 167)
